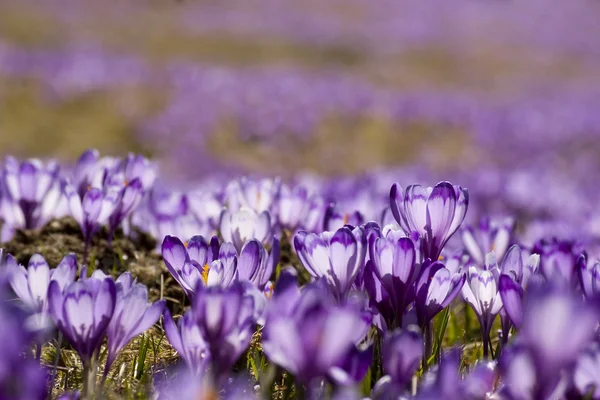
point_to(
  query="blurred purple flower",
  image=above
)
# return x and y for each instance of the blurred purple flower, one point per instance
(186, 338)
(589, 276)
(308, 335)
(225, 318)
(558, 260)
(435, 290)
(496, 235)
(259, 195)
(132, 315)
(293, 207)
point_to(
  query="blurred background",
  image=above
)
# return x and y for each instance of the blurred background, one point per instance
(329, 86)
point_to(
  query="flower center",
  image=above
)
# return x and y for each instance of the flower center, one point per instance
(346, 218)
(205, 271)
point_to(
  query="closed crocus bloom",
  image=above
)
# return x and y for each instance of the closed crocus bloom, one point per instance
(337, 256)
(225, 318)
(292, 207)
(255, 264)
(589, 276)
(434, 213)
(392, 270)
(401, 356)
(127, 199)
(315, 218)
(492, 234)
(136, 166)
(92, 211)
(186, 338)
(33, 186)
(82, 312)
(436, 289)
(481, 292)
(240, 226)
(31, 284)
(132, 316)
(558, 260)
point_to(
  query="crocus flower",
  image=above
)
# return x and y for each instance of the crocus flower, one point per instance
(34, 187)
(128, 196)
(82, 312)
(315, 218)
(137, 167)
(90, 170)
(492, 234)
(132, 315)
(306, 334)
(91, 211)
(293, 207)
(225, 318)
(240, 226)
(337, 256)
(31, 284)
(186, 338)
(258, 195)
(481, 292)
(390, 275)
(558, 260)
(444, 382)
(335, 219)
(435, 290)
(21, 378)
(402, 352)
(434, 213)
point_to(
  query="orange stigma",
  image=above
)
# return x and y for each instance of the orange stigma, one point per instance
(441, 258)
(126, 183)
(186, 243)
(205, 271)
(346, 218)
(89, 187)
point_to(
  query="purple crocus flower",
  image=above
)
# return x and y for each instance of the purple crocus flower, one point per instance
(317, 208)
(557, 326)
(193, 264)
(82, 312)
(225, 318)
(435, 290)
(402, 352)
(127, 197)
(558, 260)
(258, 195)
(337, 256)
(31, 284)
(434, 213)
(335, 219)
(137, 167)
(306, 334)
(492, 234)
(91, 211)
(34, 187)
(293, 207)
(186, 338)
(90, 171)
(21, 378)
(481, 292)
(444, 382)
(132, 315)
(390, 275)
(240, 226)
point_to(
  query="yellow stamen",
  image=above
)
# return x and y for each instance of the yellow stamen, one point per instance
(89, 187)
(185, 244)
(126, 183)
(441, 258)
(205, 271)
(346, 218)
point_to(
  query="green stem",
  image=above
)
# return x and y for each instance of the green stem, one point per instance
(89, 379)
(428, 343)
